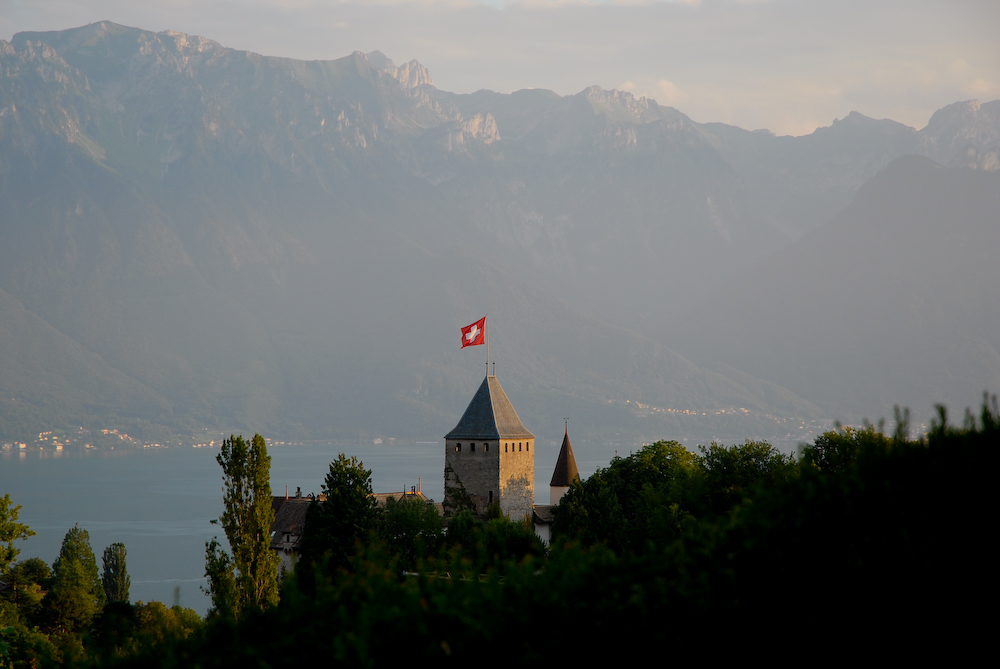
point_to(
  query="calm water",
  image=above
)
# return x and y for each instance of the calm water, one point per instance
(158, 502)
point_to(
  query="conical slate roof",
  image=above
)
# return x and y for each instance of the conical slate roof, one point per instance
(565, 472)
(490, 416)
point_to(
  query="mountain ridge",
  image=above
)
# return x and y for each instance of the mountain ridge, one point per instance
(230, 231)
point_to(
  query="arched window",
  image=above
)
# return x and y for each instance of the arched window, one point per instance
(527, 445)
(486, 447)
(472, 447)
(458, 448)
(505, 447)
(519, 446)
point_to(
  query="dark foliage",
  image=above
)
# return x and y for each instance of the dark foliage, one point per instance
(731, 474)
(638, 498)
(411, 529)
(346, 517)
(494, 544)
(889, 552)
(882, 548)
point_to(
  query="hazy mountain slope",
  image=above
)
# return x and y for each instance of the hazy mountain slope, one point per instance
(620, 205)
(50, 380)
(274, 244)
(892, 301)
(252, 243)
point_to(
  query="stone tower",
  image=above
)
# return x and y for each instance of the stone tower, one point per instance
(490, 456)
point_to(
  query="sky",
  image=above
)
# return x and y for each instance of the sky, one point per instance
(786, 65)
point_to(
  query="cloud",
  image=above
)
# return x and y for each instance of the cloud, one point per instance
(982, 88)
(666, 92)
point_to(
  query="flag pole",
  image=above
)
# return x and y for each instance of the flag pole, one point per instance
(486, 325)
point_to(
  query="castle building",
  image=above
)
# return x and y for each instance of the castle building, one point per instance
(490, 457)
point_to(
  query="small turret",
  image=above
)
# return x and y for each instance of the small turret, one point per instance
(565, 472)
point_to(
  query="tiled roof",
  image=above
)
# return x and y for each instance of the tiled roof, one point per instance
(565, 472)
(289, 518)
(490, 416)
(382, 497)
(544, 514)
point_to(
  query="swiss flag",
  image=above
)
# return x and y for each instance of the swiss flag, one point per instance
(475, 334)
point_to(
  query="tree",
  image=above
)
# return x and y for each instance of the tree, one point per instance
(221, 575)
(411, 529)
(838, 450)
(29, 580)
(496, 543)
(10, 531)
(76, 594)
(115, 578)
(635, 499)
(731, 472)
(249, 579)
(346, 516)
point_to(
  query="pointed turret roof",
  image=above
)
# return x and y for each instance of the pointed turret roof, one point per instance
(565, 472)
(490, 416)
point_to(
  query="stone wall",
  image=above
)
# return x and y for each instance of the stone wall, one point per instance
(517, 477)
(494, 471)
(477, 468)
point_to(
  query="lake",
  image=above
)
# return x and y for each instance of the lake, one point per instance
(158, 502)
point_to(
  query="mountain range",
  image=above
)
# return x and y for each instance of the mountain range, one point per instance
(197, 236)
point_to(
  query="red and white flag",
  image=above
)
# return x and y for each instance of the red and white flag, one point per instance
(475, 334)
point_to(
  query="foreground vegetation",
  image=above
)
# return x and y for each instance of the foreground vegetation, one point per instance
(866, 543)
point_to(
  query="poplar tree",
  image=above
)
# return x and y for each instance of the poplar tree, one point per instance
(248, 579)
(115, 578)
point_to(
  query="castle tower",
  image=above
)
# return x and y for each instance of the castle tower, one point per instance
(490, 456)
(565, 471)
